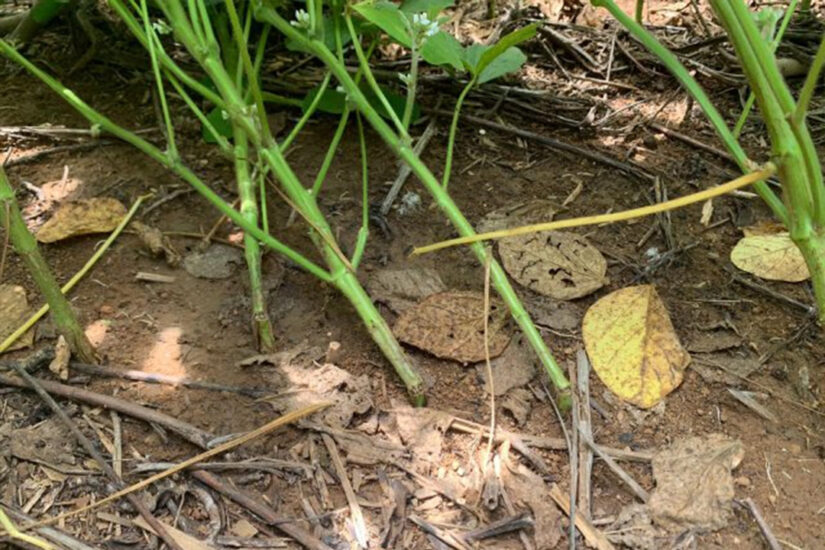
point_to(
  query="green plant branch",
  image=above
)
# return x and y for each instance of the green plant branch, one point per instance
(448, 163)
(411, 86)
(809, 86)
(786, 19)
(696, 91)
(307, 114)
(151, 42)
(376, 89)
(156, 154)
(443, 200)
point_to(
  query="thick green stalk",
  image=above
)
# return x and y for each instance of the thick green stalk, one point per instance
(694, 89)
(26, 247)
(774, 44)
(261, 325)
(448, 164)
(412, 83)
(813, 250)
(443, 200)
(156, 154)
(792, 172)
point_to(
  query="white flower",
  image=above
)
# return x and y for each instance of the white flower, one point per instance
(301, 20)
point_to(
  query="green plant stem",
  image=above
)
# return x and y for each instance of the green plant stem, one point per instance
(38, 16)
(811, 81)
(156, 154)
(786, 19)
(694, 89)
(307, 114)
(171, 146)
(640, 11)
(376, 89)
(813, 250)
(220, 141)
(364, 230)
(443, 200)
(448, 163)
(25, 245)
(321, 177)
(269, 97)
(261, 325)
(411, 87)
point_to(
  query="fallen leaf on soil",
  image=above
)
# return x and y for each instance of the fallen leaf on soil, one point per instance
(243, 528)
(60, 364)
(511, 369)
(694, 486)
(773, 257)
(450, 325)
(514, 215)
(633, 347)
(707, 212)
(157, 243)
(561, 265)
(217, 262)
(400, 289)
(82, 217)
(422, 432)
(15, 308)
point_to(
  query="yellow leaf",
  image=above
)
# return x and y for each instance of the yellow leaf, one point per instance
(773, 257)
(81, 217)
(633, 347)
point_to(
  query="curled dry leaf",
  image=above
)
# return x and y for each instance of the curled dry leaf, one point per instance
(774, 257)
(633, 347)
(450, 325)
(15, 310)
(82, 217)
(561, 265)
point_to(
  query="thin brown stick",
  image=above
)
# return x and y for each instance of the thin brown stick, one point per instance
(356, 515)
(187, 431)
(593, 536)
(637, 489)
(259, 509)
(266, 428)
(770, 538)
(134, 500)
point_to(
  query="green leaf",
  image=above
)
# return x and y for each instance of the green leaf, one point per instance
(472, 56)
(503, 45)
(443, 49)
(511, 60)
(332, 102)
(430, 7)
(387, 17)
(221, 124)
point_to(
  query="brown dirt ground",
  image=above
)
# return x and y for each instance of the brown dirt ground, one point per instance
(198, 328)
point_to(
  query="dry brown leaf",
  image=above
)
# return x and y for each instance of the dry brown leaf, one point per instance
(450, 325)
(633, 347)
(15, 311)
(774, 257)
(82, 217)
(707, 212)
(764, 227)
(561, 265)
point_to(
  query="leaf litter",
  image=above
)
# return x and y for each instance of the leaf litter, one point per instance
(82, 217)
(558, 264)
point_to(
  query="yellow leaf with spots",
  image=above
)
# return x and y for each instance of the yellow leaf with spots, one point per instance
(774, 257)
(82, 217)
(633, 347)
